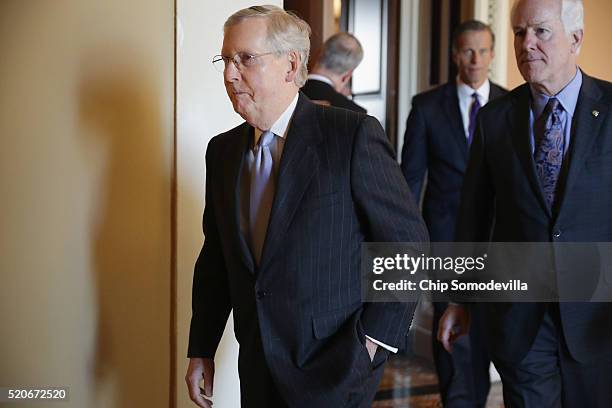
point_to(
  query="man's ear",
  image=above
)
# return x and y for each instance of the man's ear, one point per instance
(346, 76)
(293, 66)
(576, 39)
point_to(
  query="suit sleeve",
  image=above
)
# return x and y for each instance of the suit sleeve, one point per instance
(388, 214)
(414, 151)
(210, 294)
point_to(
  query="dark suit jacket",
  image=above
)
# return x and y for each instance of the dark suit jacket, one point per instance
(501, 181)
(435, 143)
(338, 186)
(319, 90)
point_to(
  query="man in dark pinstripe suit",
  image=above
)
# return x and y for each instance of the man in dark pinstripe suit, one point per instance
(325, 181)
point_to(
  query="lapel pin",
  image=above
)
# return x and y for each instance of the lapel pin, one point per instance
(595, 113)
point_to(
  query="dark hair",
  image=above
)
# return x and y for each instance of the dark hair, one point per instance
(471, 25)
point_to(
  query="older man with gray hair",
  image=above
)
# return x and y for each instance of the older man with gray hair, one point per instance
(330, 77)
(540, 170)
(291, 194)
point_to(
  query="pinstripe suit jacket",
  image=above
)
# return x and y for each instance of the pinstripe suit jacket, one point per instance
(501, 181)
(338, 186)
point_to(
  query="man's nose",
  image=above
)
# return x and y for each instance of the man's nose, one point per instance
(529, 41)
(475, 58)
(231, 73)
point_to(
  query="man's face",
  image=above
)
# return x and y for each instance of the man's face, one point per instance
(473, 55)
(254, 90)
(545, 54)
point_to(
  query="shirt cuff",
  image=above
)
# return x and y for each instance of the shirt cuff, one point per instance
(383, 345)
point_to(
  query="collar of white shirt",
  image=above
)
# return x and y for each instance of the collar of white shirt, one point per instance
(281, 126)
(465, 91)
(321, 78)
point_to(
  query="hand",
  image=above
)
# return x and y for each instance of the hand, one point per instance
(200, 368)
(371, 346)
(454, 323)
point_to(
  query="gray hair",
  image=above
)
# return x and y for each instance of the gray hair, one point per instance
(285, 32)
(572, 15)
(341, 52)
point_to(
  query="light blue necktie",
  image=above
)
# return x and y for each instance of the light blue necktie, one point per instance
(262, 193)
(548, 155)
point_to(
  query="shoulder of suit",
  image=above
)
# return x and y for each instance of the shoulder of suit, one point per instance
(497, 105)
(432, 95)
(334, 118)
(228, 137)
(604, 86)
(334, 112)
(498, 88)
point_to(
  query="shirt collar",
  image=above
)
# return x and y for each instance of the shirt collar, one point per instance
(567, 97)
(280, 127)
(321, 78)
(466, 91)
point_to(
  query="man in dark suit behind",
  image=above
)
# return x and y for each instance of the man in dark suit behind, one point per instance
(540, 169)
(291, 195)
(436, 142)
(331, 75)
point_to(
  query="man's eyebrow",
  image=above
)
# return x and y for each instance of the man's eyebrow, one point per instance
(541, 22)
(532, 24)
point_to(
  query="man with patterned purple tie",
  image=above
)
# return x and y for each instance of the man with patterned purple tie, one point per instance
(439, 131)
(540, 170)
(291, 195)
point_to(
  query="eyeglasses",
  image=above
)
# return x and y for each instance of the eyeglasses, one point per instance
(241, 60)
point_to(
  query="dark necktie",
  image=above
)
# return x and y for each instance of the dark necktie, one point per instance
(549, 145)
(473, 112)
(262, 193)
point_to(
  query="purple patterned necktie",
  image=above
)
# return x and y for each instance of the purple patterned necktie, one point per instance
(473, 112)
(548, 155)
(262, 193)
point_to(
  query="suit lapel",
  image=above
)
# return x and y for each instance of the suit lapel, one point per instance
(298, 165)
(451, 108)
(518, 125)
(586, 127)
(233, 165)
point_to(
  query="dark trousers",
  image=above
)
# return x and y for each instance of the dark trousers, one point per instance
(548, 376)
(365, 396)
(257, 388)
(463, 376)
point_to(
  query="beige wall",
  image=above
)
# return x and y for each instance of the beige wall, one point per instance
(594, 57)
(86, 124)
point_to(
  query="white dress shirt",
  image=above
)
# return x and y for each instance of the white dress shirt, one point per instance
(464, 93)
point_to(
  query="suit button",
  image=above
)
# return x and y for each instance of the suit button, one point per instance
(262, 294)
(557, 234)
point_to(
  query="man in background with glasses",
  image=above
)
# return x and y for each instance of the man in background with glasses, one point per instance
(438, 135)
(291, 194)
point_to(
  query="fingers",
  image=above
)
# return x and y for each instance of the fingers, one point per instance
(453, 324)
(199, 369)
(446, 336)
(195, 393)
